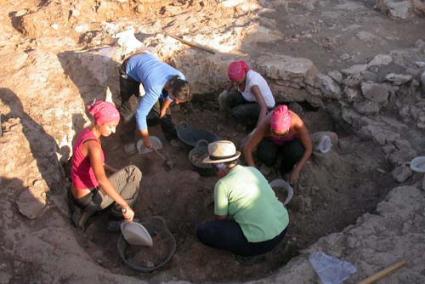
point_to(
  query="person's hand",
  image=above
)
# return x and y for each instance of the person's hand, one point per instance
(162, 113)
(147, 142)
(294, 176)
(128, 214)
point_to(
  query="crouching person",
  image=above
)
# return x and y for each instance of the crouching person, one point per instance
(91, 189)
(250, 220)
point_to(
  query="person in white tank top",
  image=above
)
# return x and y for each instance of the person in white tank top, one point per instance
(254, 98)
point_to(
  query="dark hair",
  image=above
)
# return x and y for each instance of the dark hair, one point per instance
(180, 89)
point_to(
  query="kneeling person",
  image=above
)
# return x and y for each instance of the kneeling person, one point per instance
(250, 220)
(92, 190)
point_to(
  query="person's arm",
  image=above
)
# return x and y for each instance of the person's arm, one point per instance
(165, 106)
(305, 138)
(95, 154)
(143, 109)
(253, 140)
(260, 100)
(221, 203)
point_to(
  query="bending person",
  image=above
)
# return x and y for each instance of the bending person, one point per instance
(253, 98)
(250, 220)
(91, 189)
(282, 133)
(163, 85)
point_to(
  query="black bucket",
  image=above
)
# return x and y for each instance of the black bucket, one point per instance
(197, 154)
(190, 136)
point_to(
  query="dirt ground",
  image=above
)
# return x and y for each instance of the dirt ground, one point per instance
(333, 192)
(334, 189)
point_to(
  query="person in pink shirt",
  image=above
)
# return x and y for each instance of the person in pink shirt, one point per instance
(91, 189)
(281, 133)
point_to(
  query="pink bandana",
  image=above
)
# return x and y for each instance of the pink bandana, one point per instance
(237, 70)
(104, 112)
(281, 119)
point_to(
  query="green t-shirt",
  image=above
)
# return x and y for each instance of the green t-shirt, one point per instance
(246, 196)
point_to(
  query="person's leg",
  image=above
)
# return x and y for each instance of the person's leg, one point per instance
(127, 183)
(266, 246)
(128, 88)
(223, 234)
(246, 113)
(230, 99)
(291, 153)
(267, 152)
(84, 208)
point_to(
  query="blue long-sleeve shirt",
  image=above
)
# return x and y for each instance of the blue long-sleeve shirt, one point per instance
(153, 74)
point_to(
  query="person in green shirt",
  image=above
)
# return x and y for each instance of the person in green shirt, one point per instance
(249, 219)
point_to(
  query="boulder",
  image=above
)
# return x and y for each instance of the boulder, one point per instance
(379, 133)
(377, 93)
(286, 67)
(419, 7)
(398, 79)
(32, 201)
(351, 94)
(396, 8)
(401, 174)
(355, 69)
(380, 59)
(353, 80)
(329, 88)
(336, 75)
(367, 107)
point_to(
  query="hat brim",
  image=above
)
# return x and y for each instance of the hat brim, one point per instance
(207, 160)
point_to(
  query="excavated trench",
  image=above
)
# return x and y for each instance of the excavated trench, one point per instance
(334, 190)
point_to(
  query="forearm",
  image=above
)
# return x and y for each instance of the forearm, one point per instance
(165, 106)
(144, 133)
(249, 158)
(301, 163)
(263, 113)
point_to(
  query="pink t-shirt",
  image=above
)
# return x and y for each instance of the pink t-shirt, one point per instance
(82, 173)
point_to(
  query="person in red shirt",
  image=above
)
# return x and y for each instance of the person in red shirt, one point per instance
(91, 189)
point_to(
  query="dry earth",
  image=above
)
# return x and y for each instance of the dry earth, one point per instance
(319, 56)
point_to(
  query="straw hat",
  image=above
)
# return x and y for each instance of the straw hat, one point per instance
(221, 151)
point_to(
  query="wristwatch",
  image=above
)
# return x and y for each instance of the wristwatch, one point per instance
(123, 210)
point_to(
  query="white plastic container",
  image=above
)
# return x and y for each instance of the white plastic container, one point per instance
(324, 145)
(280, 183)
(156, 142)
(418, 164)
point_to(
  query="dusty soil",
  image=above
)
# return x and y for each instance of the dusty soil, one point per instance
(334, 190)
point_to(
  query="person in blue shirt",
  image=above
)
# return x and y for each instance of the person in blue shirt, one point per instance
(163, 85)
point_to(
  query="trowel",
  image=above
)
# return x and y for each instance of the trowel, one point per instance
(168, 163)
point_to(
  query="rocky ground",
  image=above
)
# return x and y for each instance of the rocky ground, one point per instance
(356, 68)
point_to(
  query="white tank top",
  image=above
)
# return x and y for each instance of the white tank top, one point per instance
(255, 79)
